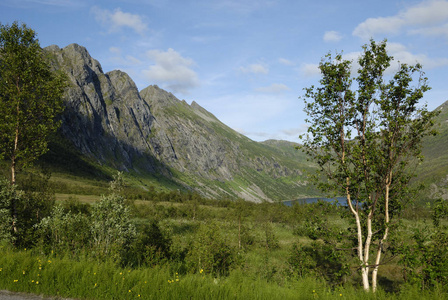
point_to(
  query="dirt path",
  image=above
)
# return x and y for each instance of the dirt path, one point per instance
(7, 295)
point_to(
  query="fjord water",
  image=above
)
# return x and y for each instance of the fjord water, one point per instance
(339, 200)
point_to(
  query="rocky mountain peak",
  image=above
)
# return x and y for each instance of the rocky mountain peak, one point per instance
(153, 132)
(158, 96)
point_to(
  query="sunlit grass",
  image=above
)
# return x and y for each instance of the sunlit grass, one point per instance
(28, 271)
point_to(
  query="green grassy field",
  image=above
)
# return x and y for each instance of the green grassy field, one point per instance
(261, 271)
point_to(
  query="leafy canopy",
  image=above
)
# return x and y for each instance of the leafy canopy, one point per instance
(30, 96)
(365, 141)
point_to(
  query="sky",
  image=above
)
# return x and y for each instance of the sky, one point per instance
(245, 61)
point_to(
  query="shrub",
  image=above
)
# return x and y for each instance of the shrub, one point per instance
(111, 228)
(7, 193)
(271, 241)
(34, 203)
(150, 247)
(64, 231)
(425, 257)
(321, 260)
(210, 251)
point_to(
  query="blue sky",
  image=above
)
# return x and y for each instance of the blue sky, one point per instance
(245, 61)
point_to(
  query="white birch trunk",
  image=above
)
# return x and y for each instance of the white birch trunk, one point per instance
(363, 262)
(380, 244)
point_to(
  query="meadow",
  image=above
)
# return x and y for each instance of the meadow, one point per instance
(175, 245)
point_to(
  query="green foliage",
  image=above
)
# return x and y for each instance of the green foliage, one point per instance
(7, 193)
(111, 226)
(367, 142)
(150, 247)
(36, 202)
(30, 96)
(329, 255)
(210, 252)
(271, 241)
(425, 256)
(64, 232)
(320, 259)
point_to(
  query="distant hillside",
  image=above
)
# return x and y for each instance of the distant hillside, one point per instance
(152, 133)
(434, 169)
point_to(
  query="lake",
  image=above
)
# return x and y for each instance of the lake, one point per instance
(341, 200)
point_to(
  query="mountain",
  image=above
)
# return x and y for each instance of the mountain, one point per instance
(152, 133)
(434, 169)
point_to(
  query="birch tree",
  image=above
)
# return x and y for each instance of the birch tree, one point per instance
(365, 134)
(30, 98)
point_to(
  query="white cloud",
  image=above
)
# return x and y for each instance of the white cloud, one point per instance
(255, 69)
(332, 36)
(374, 26)
(432, 31)
(398, 51)
(295, 132)
(171, 70)
(310, 70)
(117, 19)
(402, 55)
(273, 88)
(426, 18)
(286, 62)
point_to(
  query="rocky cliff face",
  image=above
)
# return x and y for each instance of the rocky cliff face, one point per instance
(151, 131)
(105, 116)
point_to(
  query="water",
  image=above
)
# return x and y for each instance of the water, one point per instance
(341, 200)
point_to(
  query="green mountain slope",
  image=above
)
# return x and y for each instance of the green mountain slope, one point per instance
(158, 139)
(434, 169)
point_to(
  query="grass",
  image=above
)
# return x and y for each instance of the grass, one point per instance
(28, 271)
(262, 273)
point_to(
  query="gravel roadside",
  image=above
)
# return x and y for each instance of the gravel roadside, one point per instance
(7, 295)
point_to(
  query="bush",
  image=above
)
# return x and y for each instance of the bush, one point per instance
(112, 229)
(64, 231)
(34, 203)
(7, 193)
(150, 247)
(210, 252)
(321, 260)
(425, 257)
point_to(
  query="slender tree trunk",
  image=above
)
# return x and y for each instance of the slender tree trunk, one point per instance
(381, 243)
(13, 200)
(363, 262)
(13, 181)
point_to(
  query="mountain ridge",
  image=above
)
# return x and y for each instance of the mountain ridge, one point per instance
(153, 132)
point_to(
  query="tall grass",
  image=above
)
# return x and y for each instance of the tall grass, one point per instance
(29, 271)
